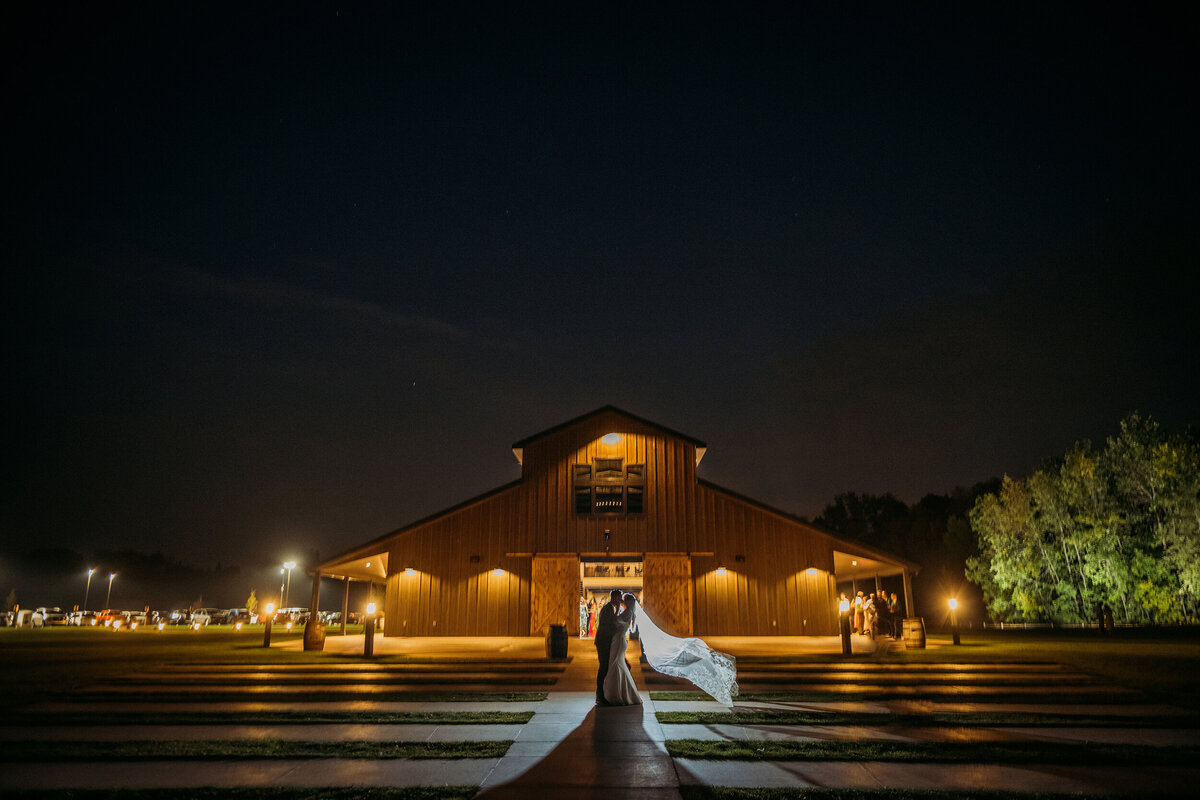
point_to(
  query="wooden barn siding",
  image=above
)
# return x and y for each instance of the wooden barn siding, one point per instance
(769, 593)
(668, 524)
(449, 595)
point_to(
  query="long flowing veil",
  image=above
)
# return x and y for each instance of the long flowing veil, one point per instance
(691, 659)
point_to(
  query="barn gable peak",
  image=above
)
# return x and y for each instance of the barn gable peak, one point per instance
(609, 410)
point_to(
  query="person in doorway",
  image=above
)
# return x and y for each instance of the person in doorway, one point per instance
(858, 612)
(606, 629)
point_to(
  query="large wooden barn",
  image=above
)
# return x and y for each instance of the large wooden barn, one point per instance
(610, 500)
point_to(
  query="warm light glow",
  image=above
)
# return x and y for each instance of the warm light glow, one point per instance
(289, 625)
(133, 626)
(93, 623)
(368, 563)
(370, 608)
(811, 571)
(195, 626)
(237, 626)
(953, 604)
(853, 563)
(90, 571)
(721, 570)
(161, 624)
(270, 608)
(289, 565)
(497, 572)
(116, 626)
(409, 571)
(610, 438)
(844, 606)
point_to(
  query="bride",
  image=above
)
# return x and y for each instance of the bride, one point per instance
(619, 687)
(691, 659)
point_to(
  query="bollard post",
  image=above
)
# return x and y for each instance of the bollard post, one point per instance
(369, 632)
(844, 625)
(954, 620)
(267, 627)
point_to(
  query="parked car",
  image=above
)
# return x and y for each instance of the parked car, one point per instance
(235, 615)
(52, 615)
(207, 616)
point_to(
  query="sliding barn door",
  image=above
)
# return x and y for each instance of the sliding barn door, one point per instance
(555, 596)
(667, 591)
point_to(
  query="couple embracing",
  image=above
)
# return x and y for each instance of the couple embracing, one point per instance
(689, 658)
(614, 683)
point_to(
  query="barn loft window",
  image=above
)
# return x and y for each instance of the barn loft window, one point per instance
(609, 486)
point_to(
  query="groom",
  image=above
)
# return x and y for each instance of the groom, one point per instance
(605, 628)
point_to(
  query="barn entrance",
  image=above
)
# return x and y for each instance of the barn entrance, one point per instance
(598, 577)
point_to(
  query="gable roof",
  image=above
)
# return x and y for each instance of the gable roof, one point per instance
(520, 445)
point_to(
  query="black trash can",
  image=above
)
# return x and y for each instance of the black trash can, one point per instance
(556, 642)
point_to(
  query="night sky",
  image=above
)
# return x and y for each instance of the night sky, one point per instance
(283, 279)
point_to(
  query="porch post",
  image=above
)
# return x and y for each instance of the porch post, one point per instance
(909, 609)
(345, 601)
(316, 597)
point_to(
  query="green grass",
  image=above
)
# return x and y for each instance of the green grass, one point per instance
(935, 718)
(74, 718)
(934, 752)
(269, 793)
(1050, 698)
(382, 696)
(734, 793)
(243, 749)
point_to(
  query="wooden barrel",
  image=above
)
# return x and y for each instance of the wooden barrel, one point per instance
(914, 632)
(314, 634)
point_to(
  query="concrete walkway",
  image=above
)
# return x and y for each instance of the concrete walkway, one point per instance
(571, 748)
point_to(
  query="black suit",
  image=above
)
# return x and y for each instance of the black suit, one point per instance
(605, 628)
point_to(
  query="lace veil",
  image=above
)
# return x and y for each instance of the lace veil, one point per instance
(691, 659)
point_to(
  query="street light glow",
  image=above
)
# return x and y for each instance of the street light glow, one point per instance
(953, 604)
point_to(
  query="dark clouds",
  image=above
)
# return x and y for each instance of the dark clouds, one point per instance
(288, 278)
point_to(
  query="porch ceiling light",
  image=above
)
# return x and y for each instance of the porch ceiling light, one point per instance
(498, 572)
(409, 571)
(610, 438)
(721, 570)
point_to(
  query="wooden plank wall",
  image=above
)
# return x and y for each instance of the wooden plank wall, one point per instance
(669, 524)
(768, 593)
(449, 594)
(771, 592)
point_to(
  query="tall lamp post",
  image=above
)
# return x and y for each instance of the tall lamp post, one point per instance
(954, 619)
(289, 566)
(88, 590)
(108, 596)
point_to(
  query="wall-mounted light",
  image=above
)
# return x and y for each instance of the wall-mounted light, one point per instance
(953, 604)
(370, 608)
(368, 563)
(498, 572)
(409, 571)
(721, 570)
(810, 571)
(610, 438)
(853, 563)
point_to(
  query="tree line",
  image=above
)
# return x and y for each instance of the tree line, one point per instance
(1117, 527)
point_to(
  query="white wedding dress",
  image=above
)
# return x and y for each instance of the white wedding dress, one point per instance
(691, 659)
(619, 686)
